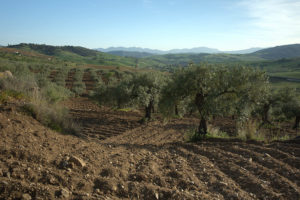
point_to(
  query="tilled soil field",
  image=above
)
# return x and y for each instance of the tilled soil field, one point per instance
(120, 159)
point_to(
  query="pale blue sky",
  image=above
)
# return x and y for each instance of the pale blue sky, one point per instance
(158, 24)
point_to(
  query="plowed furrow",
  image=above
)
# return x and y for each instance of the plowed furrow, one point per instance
(246, 180)
(69, 81)
(281, 184)
(279, 155)
(89, 83)
(214, 179)
(268, 162)
(290, 150)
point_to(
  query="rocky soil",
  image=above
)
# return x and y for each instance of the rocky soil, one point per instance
(118, 158)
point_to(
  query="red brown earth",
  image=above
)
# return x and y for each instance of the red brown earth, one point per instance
(118, 158)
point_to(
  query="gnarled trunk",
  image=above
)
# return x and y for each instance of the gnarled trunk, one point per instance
(199, 101)
(297, 120)
(202, 129)
(265, 114)
(148, 110)
(176, 110)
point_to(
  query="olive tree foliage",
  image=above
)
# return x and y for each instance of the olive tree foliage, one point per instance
(290, 105)
(278, 103)
(216, 91)
(146, 90)
(138, 90)
(113, 93)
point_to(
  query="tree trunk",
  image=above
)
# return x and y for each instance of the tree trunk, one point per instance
(202, 129)
(297, 120)
(265, 116)
(176, 110)
(148, 110)
(199, 101)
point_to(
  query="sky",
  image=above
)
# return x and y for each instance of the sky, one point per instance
(156, 24)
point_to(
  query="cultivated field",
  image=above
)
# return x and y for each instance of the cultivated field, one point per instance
(115, 157)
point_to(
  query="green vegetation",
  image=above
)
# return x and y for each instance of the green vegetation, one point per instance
(31, 84)
(138, 90)
(222, 85)
(214, 91)
(78, 86)
(77, 54)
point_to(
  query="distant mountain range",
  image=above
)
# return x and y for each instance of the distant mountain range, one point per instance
(144, 59)
(133, 54)
(136, 51)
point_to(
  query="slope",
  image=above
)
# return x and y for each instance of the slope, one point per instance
(147, 162)
(279, 52)
(77, 54)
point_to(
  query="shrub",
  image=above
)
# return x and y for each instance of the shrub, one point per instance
(54, 116)
(6, 95)
(192, 136)
(41, 103)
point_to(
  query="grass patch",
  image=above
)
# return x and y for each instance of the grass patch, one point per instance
(125, 109)
(192, 135)
(40, 102)
(7, 95)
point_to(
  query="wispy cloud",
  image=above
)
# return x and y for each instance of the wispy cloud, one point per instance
(147, 1)
(278, 21)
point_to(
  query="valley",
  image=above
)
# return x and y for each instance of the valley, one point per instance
(73, 125)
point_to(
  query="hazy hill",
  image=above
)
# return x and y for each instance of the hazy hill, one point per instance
(155, 51)
(131, 49)
(165, 61)
(279, 52)
(245, 51)
(195, 50)
(134, 54)
(171, 60)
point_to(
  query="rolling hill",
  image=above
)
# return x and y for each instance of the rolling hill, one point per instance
(77, 54)
(279, 52)
(83, 55)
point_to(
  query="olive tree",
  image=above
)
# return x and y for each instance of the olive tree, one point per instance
(211, 89)
(113, 93)
(290, 105)
(146, 90)
(142, 90)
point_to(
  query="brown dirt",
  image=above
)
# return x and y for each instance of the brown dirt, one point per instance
(52, 75)
(70, 80)
(122, 159)
(89, 83)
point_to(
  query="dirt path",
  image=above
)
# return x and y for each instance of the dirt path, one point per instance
(126, 160)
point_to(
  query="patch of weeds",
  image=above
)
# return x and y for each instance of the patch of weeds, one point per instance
(51, 115)
(29, 110)
(125, 109)
(249, 131)
(6, 95)
(216, 133)
(192, 135)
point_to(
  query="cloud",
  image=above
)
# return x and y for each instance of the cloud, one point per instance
(276, 20)
(147, 1)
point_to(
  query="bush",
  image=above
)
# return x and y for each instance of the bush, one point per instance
(192, 135)
(6, 95)
(42, 103)
(55, 116)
